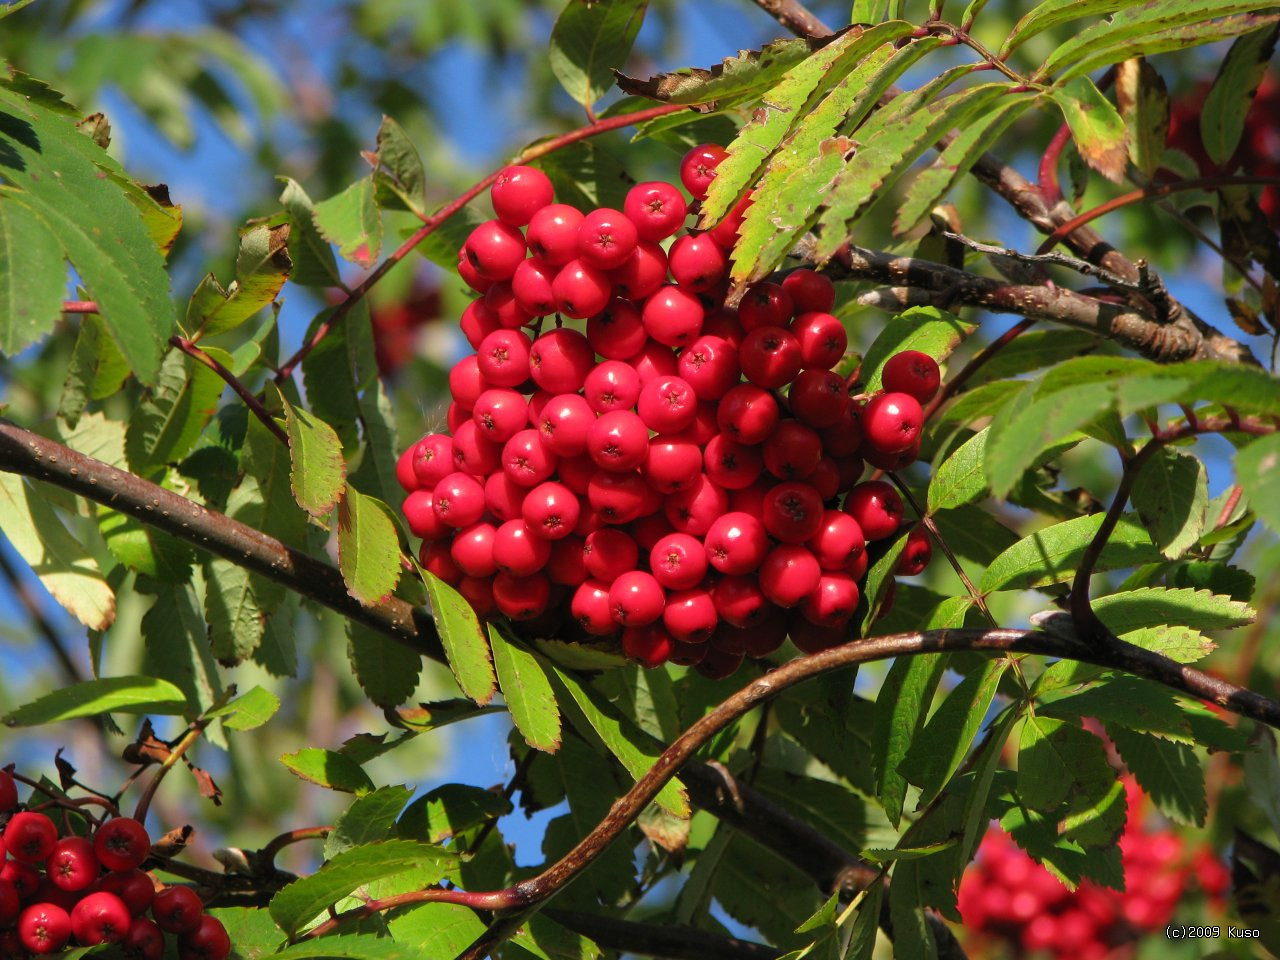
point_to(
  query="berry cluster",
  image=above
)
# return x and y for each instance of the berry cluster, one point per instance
(1007, 897)
(54, 889)
(670, 468)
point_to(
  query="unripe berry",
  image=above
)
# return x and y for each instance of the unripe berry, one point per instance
(519, 192)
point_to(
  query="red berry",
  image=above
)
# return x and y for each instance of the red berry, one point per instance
(833, 601)
(770, 357)
(891, 422)
(687, 654)
(793, 451)
(433, 460)
(748, 414)
(619, 497)
(812, 638)
(494, 249)
(636, 599)
(710, 366)
(469, 274)
(526, 459)
(667, 404)
(437, 561)
(678, 561)
(23, 876)
(503, 497)
(609, 553)
(697, 262)
(822, 337)
(458, 500)
(590, 607)
(765, 305)
(145, 940)
(8, 791)
(472, 550)
(521, 598)
(10, 903)
(736, 543)
(30, 837)
(653, 360)
(503, 360)
(671, 463)
(72, 864)
(839, 541)
(673, 316)
(740, 601)
(731, 465)
(500, 413)
(792, 512)
(551, 511)
(560, 360)
(650, 645)
(208, 941)
(612, 385)
(531, 287)
(472, 453)
(100, 918)
(693, 509)
(657, 209)
(916, 554)
(789, 574)
(690, 615)
(617, 333)
(818, 398)
(134, 887)
(698, 168)
(518, 193)
(877, 508)
(581, 290)
(478, 321)
(553, 233)
(500, 300)
(518, 551)
(717, 664)
(44, 928)
(563, 424)
(642, 273)
(618, 441)
(725, 233)
(567, 565)
(606, 238)
(912, 372)
(810, 291)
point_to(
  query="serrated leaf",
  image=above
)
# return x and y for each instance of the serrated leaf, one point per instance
(449, 810)
(370, 818)
(1170, 495)
(751, 72)
(97, 369)
(527, 691)
(933, 183)
(13, 6)
(463, 640)
(399, 171)
(314, 263)
(251, 929)
(175, 648)
(262, 267)
(901, 708)
(1035, 350)
(545, 939)
(585, 176)
(960, 478)
(936, 753)
(387, 671)
(301, 901)
(317, 471)
(1099, 132)
(1181, 644)
(1143, 102)
(862, 938)
(368, 548)
(1227, 103)
(634, 749)
(927, 329)
(145, 549)
(912, 936)
(328, 769)
(92, 698)
(1053, 554)
(1158, 606)
(64, 565)
(881, 575)
(974, 533)
(352, 221)
(437, 931)
(237, 604)
(248, 711)
(1135, 704)
(33, 278)
(589, 40)
(167, 424)
(1051, 13)
(1168, 772)
(351, 947)
(1258, 473)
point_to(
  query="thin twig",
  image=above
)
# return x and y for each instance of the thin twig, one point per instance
(244, 393)
(796, 17)
(267, 855)
(976, 363)
(176, 752)
(1055, 259)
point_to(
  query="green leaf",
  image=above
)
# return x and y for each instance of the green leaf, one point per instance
(317, 471)
(1051, 13)
(351, 220)
(237, 604)
(313, 261)
(1181, 644)
(463, 640)
(13, 6)
(368, 548)
(350, 947)
(1223, 114)
(143, 548)
(1258, 473)
(1053, 554)
(330, 770)
(547, 940)
(912, 936)
(262, 267)
(1096, 126)
(901, 708)
(960, 478)
(175, 647)
(1157, 606)
(94, 697)
(65, 566)
(436, 931)
(1035, 350)
(1170, 495)
(388, 672)
(862, 939)
(933, 183)
(1168, 772)
(590, 39)
(449, 810)
(889, 143)
(1135, 704)
(97, 369)
(251, 929)
(927, 329)
(634, 749)
(167, 424)
(370, 818)
(248, 711)
(876, 587)
(73, 208)
(527, 691)
(399, 174)
(584, 175)
(1143, 102)
(936, 753)
(303, 900)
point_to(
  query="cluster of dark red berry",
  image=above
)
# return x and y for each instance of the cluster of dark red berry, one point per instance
(54, 889)
(1006, 897)
(674, 469)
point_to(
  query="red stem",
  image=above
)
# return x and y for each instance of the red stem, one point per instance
(1050, 188)
(244, 393)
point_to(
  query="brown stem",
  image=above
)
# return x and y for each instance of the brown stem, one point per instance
(269, 852)
(976, 363)
(796, 17)
(961, 35)
(79, 306)
(244, 393)
(175, 754)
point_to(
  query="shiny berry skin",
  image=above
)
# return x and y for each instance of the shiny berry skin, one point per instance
(134, 887)
(765, 304)
(472, 453)
(560, 360)
(726, 231)
(618, 497)
(521, 598)
(832, 603)
(891, 422)
(72, 864)
(740, 601)
(208, 941)
(531, 287)
(10, 903)
(642, 273)
(551, 511)
(553, 233)
(649, 645)
(793, 451)
(697, 262)
(23, 876)
(839, 541)
(590, 607)
(519, 193)
(518, 551)
(912, 372)
(606, 238)
(657, 209)
(611, 386)
(671, 463)
(893, 461)
(500, 300)
(687, 654)
(581, 290)
(916, 554)
(653, 360)
(818, 398)
(617, 332)
(30, 837)
(877, 508)
(690, 615)
(673, 316)
(678, 561)
(698, 168)
(792, 512)
(732, 465)
(736, 543)
(789, 574)
(100, 918)
(810, 291)
(618, 441)
(563, 424)
(823, 339)
(503, 360)
(8, 791)
(44, 928)
(636, 599)
(526, 460)
(747, 414)
(724, 323)
(494, 249)
(469, 274)
(477, 322)
(667, 404)
(458, 500)
(693, 509)
(145, 940)
(609, 553)
(769, 357)
(567, 565)
(500, 413)
(467, 381)
(472, 550)
(503, 497)
(478, 592)
(717, 664)
(437, 560)
(710, 366)
(432, 460)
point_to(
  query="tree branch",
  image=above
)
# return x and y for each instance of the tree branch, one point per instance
(796, 17)
(668, 941)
